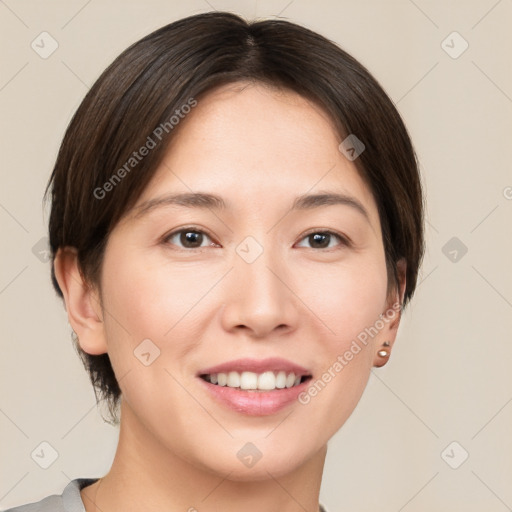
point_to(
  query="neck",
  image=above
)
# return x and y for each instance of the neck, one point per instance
(145, 474)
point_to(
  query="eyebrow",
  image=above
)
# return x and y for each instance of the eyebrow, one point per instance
(215, 202)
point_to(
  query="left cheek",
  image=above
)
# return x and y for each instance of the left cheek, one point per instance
(350, 304)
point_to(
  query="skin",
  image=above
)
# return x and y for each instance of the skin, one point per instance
(258, 148)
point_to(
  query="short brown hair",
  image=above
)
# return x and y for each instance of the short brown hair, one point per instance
(155, 76)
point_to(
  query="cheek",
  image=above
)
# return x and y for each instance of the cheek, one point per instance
(149, 298)
(146, 306)
(347, 299)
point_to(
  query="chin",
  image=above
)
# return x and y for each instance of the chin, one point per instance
(268, 463)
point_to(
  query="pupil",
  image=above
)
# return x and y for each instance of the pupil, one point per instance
(317, 237)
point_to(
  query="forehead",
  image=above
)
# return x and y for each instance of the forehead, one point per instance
(256, 117)
(258, 146)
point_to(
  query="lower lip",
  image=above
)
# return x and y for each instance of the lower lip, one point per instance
(255, 403)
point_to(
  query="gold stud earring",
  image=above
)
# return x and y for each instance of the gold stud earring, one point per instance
(384, 353)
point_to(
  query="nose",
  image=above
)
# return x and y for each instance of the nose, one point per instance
(260, 297)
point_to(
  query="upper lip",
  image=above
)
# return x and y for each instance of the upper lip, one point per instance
(274, 364)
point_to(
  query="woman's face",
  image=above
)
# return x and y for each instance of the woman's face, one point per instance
(251, 280)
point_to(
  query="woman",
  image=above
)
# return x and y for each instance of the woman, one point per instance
(236, 226)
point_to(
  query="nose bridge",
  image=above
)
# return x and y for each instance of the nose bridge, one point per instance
(254, 264)
(260, 300)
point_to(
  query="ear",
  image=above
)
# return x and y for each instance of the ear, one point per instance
(82, 302)
(391, 318)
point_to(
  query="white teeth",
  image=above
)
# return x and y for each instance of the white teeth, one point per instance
(233, 380)
(222, 379)
(265, 381)
(248, 380)
(281, 380)
(290, 379)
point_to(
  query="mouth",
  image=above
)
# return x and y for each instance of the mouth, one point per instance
(254, 394)
(255, 387)
(256, 382)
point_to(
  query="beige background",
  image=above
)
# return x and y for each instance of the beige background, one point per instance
(449, 378)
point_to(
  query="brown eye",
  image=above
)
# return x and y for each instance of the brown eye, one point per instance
(323, 239)
(189, 238)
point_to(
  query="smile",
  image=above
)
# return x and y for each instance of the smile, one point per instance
(251, 381)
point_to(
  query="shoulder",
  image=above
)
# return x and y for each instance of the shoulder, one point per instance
(51, 503)
(68, 501)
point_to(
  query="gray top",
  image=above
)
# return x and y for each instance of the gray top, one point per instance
(69, 501)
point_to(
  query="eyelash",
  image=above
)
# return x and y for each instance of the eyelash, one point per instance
(344, 241)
